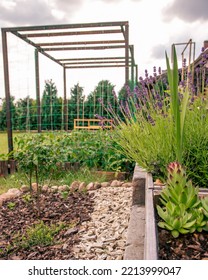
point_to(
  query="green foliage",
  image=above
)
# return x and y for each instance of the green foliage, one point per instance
(179, 190)
(24, 110)
(155, 126)
(178, 108)
(151, 146)
(75, 104)
(65, 194)
(96, 150)
(27, 198)
(37, 154)
(175, 104)
(14, 180)
(103, 92)
(204, 203)
(205, 206)
(195, 155)
(40, 156)
(39, 234)
(51, 107)
(11, 205)
(181, 211)
(176, 219)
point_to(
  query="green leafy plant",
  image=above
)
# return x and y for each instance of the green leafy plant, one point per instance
(38, 235)
(37, 155)
(27, 198)
(178, 108)
(65, 194)
(11, 205)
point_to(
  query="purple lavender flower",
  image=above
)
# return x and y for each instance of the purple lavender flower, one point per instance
(192, 100)
(159, 71)
(201, 63)
(100, 100)
(150, 119)
(197, 70)
(127, 110)
(184, 62)
(160, 105)
(114, 94)
(98, 117)
(182, 83)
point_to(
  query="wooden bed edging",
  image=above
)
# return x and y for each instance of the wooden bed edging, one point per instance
(141, 243)
(7, 167)
(136, 227)
(150, 240)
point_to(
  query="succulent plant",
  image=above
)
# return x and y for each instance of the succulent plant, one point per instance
(178, 189)
(176, 219)
(204, 203)
(181, 211)
(200, 222)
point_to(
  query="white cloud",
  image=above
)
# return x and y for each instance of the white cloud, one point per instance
(187, 10)
(149, 33)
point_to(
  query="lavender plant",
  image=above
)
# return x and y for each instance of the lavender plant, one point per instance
(143, 116)
(157, 121)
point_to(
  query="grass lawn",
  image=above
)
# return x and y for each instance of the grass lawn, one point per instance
(3, 143)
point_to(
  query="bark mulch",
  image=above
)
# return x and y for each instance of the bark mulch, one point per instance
(185, 247)
(17, 215)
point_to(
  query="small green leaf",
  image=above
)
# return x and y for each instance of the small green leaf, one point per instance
(175, 233)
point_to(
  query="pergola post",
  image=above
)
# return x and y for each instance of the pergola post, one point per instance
(37, 83)
(132, 67)
(65, 102)
(136, 69)
(7, 91)
(126, 35)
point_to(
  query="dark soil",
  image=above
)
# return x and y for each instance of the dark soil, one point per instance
(185, 247)
(52, 209)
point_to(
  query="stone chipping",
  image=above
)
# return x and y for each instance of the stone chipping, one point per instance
(104, 236)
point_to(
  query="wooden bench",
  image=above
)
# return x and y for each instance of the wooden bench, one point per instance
(93, 124)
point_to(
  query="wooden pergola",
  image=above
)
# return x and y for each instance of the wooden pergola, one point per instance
(51, 40)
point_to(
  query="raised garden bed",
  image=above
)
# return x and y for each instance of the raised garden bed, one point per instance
(159, 243)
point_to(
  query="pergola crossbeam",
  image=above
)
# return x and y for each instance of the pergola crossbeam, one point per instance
(72, 33)
(96, 66)
(91, 58)
(84, 48)
(80, 43)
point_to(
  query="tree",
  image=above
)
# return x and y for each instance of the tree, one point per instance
(102, 97)
(51, 107)
(3, 114)
(75, 105)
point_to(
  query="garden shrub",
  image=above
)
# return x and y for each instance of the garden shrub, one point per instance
(155, 126)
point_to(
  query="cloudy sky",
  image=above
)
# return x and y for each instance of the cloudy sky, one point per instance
(154, 25)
